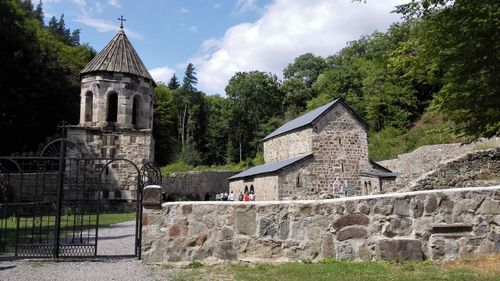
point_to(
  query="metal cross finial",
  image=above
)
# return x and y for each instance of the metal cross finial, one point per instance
(121, 19)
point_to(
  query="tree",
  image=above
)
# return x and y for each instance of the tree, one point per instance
(173, 83)
(39, 78)
(299, 78)
(461, 38)
(164, 124)
(257, 98)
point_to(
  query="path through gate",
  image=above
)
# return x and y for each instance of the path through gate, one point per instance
(50, 207)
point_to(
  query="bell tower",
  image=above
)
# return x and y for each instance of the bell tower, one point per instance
(116, 105)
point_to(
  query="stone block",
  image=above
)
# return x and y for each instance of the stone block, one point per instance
(245, 222)
(327, 246)
(430, 204)
(397, 226)
(401, 207)
(364, 252)
(179, 229)
(152, 197)
(267, 227)
(490, 207)
(398, 249)
(351, 219)
(417, 209)
(226, 233)
(225, 251)
(350, 232)
(284, 227)
(344, 251)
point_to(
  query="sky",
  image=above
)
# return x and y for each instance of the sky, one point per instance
(222, 37)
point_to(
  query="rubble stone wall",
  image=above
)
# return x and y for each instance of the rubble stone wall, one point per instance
(436, 224)
(197, 183)
(290, 145)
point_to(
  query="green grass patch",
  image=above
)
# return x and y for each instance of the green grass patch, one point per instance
(352, 271)
(31, 227)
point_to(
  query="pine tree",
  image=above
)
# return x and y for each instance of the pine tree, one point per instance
(190, 80)
(173, 83)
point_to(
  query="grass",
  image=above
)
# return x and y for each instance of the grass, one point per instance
(46, 225)
(482, 268)
(180, 166)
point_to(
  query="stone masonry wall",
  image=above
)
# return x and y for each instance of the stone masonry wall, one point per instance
(437, 225)
(126, 87)
(290, 145)
(296, 182)
(472, 169)
(265, 187)
(133, 145)
(340, 148)
(197, 183)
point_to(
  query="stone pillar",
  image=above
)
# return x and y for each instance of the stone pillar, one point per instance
(152, 197)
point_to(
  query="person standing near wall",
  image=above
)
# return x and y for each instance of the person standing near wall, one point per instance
(230, 197)
(246, 198)
(240, 197)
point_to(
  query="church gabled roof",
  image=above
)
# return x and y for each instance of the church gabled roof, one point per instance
(310, 117)
(118, 56)
(269, 167)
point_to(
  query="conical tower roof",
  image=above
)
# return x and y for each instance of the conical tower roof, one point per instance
(118, 56)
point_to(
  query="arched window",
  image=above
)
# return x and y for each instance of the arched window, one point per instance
(298, 182)
(112, 107)
(246, 189)
(136, 104)
(88, 106)
(252, 189)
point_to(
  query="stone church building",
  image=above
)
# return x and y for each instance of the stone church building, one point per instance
(116, 112)
(321, 154)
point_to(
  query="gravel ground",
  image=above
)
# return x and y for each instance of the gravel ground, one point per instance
(117, 239)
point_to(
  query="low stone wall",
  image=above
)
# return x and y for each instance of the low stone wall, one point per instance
(442, 224)
(196, 184)
(472, 169)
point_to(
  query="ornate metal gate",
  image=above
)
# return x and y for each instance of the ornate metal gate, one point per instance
(50, 206)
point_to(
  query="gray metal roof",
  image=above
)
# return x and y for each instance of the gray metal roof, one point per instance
(379, 174)
(301, 121)
(268, 168)
(310, 117)
(118, 56)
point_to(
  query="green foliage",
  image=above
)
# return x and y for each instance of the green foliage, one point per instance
(431, 129)
(195, 264)
(255, 98)
(39, 77)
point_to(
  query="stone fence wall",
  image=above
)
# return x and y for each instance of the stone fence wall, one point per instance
(436, 224)
(429, 157)
(196, 184)
(472, 169)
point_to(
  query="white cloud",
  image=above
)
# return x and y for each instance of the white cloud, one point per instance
(287, 29)
(104, 26)
(184, 10)
(98, 7)
(162, 73)
(82, 5)
(193, 28)
(217, 6)
(114, 3)
(243, 6)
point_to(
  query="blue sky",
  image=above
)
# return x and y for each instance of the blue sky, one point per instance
(223, 37)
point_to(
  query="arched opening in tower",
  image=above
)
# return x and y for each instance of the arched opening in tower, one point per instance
(112, 107)
(136, 103)
(88, 106)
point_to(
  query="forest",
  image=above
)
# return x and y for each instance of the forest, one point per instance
(431, 78)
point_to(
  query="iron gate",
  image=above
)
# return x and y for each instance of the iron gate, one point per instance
(51, 206)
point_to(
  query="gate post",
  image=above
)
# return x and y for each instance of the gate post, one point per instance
(62, 167)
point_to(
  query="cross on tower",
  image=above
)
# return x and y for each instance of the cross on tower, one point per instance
(121, 19)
